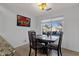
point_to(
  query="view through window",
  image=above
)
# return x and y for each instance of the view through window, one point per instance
(52, 26)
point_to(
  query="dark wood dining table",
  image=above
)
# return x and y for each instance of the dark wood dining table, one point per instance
(45, 39)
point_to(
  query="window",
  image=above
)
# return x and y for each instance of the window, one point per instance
(52, 26)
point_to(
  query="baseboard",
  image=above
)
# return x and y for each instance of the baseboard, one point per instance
(21, 45)
(70, 50)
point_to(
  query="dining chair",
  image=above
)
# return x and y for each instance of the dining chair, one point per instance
(56, 47)
(34, 44)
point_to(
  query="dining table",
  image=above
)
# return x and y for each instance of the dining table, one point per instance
(46, 40)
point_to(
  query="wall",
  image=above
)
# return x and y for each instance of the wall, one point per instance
(2, 22)
(15, 35)
(71, 26)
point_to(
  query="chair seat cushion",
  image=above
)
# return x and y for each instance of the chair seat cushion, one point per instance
(52, 46)
(39, 46)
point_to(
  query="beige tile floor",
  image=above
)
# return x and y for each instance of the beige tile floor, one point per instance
(24, 51)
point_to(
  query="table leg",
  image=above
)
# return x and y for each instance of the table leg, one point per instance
(46, 49)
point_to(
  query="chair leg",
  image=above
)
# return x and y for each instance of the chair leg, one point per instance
(60, 52)
(36, 52)
(47, 52)
(30, 51)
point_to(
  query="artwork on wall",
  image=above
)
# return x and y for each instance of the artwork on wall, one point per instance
(23, 21)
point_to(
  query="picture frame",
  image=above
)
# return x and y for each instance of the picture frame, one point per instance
(23, 21)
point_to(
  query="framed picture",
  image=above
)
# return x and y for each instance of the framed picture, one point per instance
(23, 21)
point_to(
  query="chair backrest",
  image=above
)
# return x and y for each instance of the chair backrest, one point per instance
(32, 35)
(60, 40)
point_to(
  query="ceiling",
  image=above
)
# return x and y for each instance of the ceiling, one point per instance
(32, 8)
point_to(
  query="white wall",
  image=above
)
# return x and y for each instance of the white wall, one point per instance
(15, 35)
(2, 22)
(71, 26)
